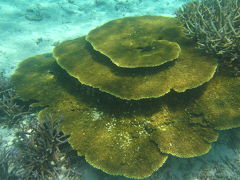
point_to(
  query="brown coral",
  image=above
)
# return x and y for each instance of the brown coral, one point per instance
(215, 26)
(131, 137)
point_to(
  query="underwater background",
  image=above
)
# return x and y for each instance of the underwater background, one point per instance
(35, 27)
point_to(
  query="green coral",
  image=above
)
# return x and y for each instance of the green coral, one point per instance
(131, 137)
(136, 41)
(106, 136)
(220, 102)
(190, 70)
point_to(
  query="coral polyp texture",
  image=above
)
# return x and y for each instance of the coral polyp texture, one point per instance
(138, 83)
(147, 40)
(127, 121)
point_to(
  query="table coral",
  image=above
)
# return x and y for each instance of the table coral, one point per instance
(190, 70)
(137, 41)
(130, 137)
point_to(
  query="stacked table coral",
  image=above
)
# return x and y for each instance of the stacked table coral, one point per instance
(132, 92)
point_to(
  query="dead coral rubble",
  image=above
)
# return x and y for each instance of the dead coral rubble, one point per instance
(215, 26)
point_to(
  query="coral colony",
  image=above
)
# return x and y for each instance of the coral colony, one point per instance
(215, 26)
(135, 91)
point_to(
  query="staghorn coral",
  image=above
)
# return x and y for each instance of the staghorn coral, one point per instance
(39, 153)
(215, 26)
(7, 166)
(4, 82)
(11, 110)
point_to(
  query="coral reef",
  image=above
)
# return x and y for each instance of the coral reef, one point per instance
(34, 151)
(122, 136)
(144, 45)
(39, 155)
(134, 83)
(39, 151)
(215, 26)
(4, 82)
(11, 110)
(7, 167)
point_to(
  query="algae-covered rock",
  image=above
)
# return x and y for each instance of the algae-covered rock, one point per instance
(90, 67)
(130, 138)
(136, 41)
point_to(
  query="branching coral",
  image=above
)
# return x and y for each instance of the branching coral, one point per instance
(11, 111)
(215, 26)
(7, 169)
(4, 82)
(39, 155)
(38, 143)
